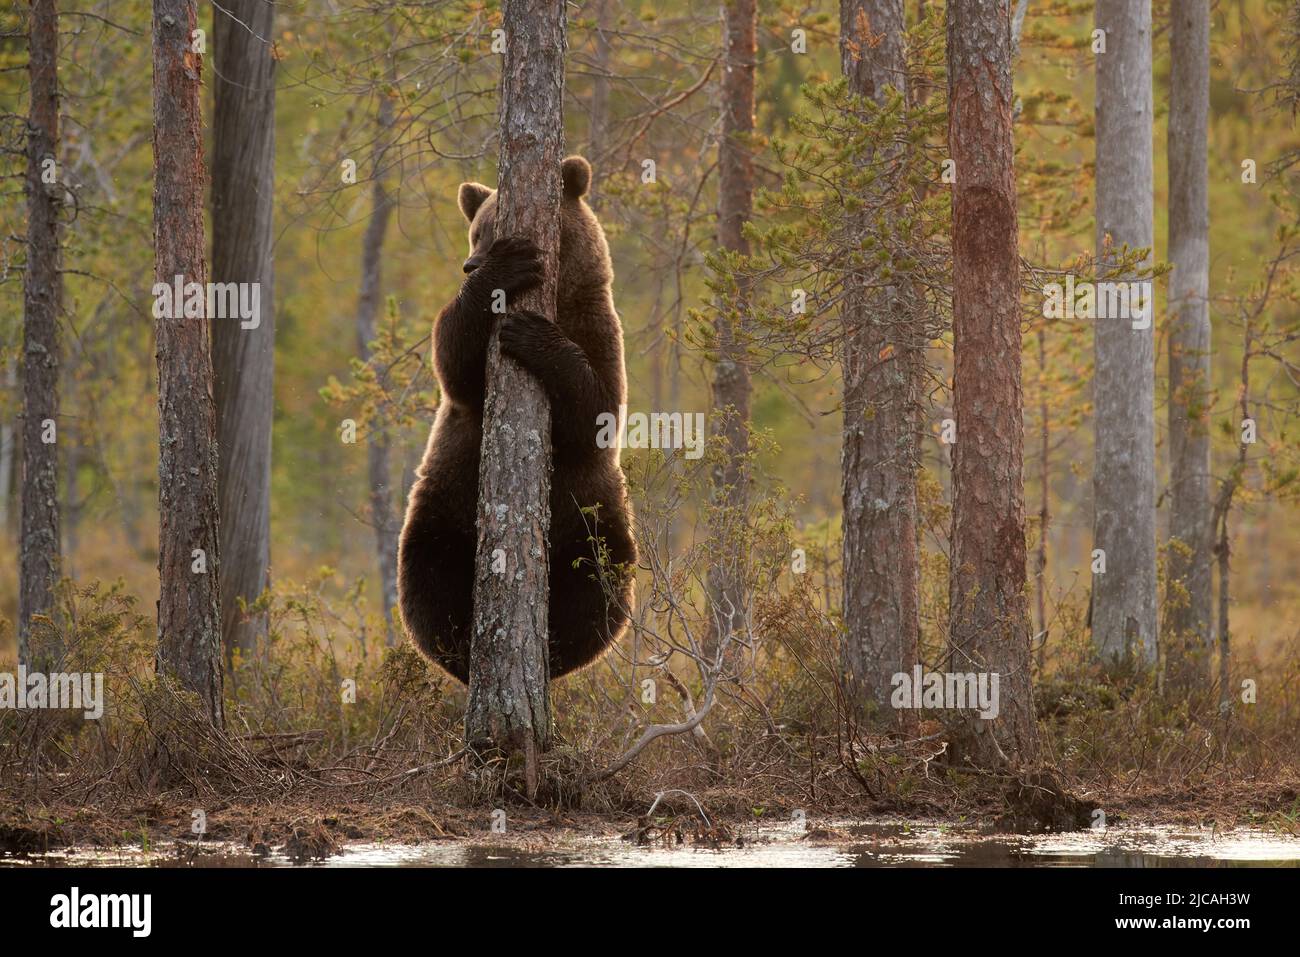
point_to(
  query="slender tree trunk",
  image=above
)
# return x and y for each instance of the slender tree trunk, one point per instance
(988, 601)
(1190, 629)
(72, 503)
(509, 705)
(8, 443)
(387, 526)
(39, 557)
(243, 359)
(1124, 596)
(1044, 498)
(599, 132)
(879, 456)
(189, 615)
(728, 602)
(1225, 662)
(1219, 525)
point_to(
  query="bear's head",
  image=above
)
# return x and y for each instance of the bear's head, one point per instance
(584, 253)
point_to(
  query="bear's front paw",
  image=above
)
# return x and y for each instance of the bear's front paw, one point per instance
(524, 335)
(514, 264)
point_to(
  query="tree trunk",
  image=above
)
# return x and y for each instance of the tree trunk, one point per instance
(39, 558)
(989, 626)
(1225, 662)
(1124, 596)
(598, 137)
(72, 501)
(189, 616)
(1190, 631)
(1044, 499)
(1219, 525)
(728, 604)
(243, 195)
(509, 707)
(378, 447)
(879, 455)
(8, 442)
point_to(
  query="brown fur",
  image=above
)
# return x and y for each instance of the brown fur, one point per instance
(579, 362)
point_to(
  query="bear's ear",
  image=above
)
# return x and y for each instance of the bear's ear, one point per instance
(577, 177)
(471, 198)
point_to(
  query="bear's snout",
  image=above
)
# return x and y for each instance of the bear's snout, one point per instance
(472, 263)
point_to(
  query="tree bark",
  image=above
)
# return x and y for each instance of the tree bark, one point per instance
(1219, 526)
(243, 196)
(39, 558)
(387, 527)
(1221, 552)
(189, 616)
(1190, 629)
(1223, 558)
(71, 500)
(509, 707)
(1044, 499)
(989, 615)
(879, 455)
(8, 441)
(1124, 596)
(599, 129)
(728, 603)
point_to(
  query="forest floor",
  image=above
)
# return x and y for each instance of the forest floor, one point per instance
(297, 774)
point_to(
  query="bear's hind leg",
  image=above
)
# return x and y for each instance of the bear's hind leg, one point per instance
(584, 620)
(436, 592)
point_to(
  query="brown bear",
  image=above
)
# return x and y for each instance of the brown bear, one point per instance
(579, 361)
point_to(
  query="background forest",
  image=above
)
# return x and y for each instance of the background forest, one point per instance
(383, 108)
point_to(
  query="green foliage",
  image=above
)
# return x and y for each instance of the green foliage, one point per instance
(859, 201)
(393, 387)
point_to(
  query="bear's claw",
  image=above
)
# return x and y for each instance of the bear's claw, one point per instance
(514, 264)
(523, 333)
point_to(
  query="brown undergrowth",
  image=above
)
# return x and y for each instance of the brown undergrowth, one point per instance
(332, 739)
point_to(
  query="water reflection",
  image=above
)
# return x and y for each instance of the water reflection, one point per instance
(834, 844)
